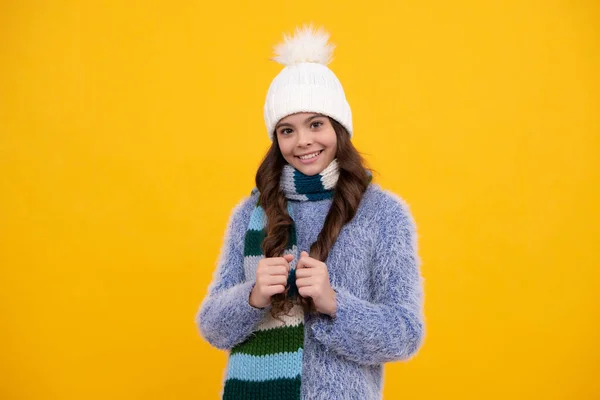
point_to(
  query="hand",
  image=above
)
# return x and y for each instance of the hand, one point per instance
(312, 280)
(271, 278)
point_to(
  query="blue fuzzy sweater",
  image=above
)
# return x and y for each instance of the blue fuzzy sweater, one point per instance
(374, 268)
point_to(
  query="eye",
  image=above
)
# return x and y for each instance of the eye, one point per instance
(284, 131)
(317, 123)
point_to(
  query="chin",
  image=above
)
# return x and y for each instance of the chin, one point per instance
(310, 169)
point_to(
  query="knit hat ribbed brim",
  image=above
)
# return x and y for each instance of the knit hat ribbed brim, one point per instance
(306, 84)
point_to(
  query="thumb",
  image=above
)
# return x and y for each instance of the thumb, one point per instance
(304, 254)
(288, 258)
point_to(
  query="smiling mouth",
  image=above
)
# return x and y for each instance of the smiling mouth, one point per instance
(311, 155)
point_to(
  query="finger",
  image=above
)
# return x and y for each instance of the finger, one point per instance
(288, 258)
(304, 282)
(275, 289)
(277, 280)
(276, 261)
(302, 260)
(304, 272)
(306, 291)
(277, 270)
(307, 262)
(272, 261)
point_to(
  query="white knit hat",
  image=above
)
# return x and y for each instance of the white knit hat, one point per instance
(306, 84)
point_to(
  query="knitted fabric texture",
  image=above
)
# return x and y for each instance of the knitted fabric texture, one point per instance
(306, 83)
(374, 269)
(268, 365)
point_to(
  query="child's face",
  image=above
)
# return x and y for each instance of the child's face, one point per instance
(303, 134)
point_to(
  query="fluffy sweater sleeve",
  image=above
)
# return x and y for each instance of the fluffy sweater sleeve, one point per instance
(391, 326)
(225, 317)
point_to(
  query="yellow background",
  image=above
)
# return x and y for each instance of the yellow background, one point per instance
(129, 130)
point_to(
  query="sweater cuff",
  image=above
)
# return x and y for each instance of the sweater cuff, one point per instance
(327, 329)
(242, 292)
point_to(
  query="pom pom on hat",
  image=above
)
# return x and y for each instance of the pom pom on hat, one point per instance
(306, 84)
(308, 45)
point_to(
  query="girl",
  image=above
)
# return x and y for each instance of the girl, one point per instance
(318, 283)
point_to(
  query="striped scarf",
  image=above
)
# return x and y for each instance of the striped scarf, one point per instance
(268, 365)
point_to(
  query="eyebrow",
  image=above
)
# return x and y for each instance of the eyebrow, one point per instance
(305, 121)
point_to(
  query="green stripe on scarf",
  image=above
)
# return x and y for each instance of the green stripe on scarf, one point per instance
(273, 389)
(253, 242)
(274, 350)
(274, 341)
(287, 339)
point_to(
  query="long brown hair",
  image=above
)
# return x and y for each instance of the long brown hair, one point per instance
(352, 183)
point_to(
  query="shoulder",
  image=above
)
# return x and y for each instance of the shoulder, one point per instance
(238, 221)
(387, 209)
(240, 214)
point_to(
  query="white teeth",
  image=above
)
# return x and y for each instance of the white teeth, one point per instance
(310, 155)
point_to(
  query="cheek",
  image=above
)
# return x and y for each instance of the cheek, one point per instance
(332, 140)
(286, 149)
(283, 148)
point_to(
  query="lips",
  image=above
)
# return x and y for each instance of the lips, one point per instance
(311, 160)
(318, 152)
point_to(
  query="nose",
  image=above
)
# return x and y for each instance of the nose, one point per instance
(304, 138)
